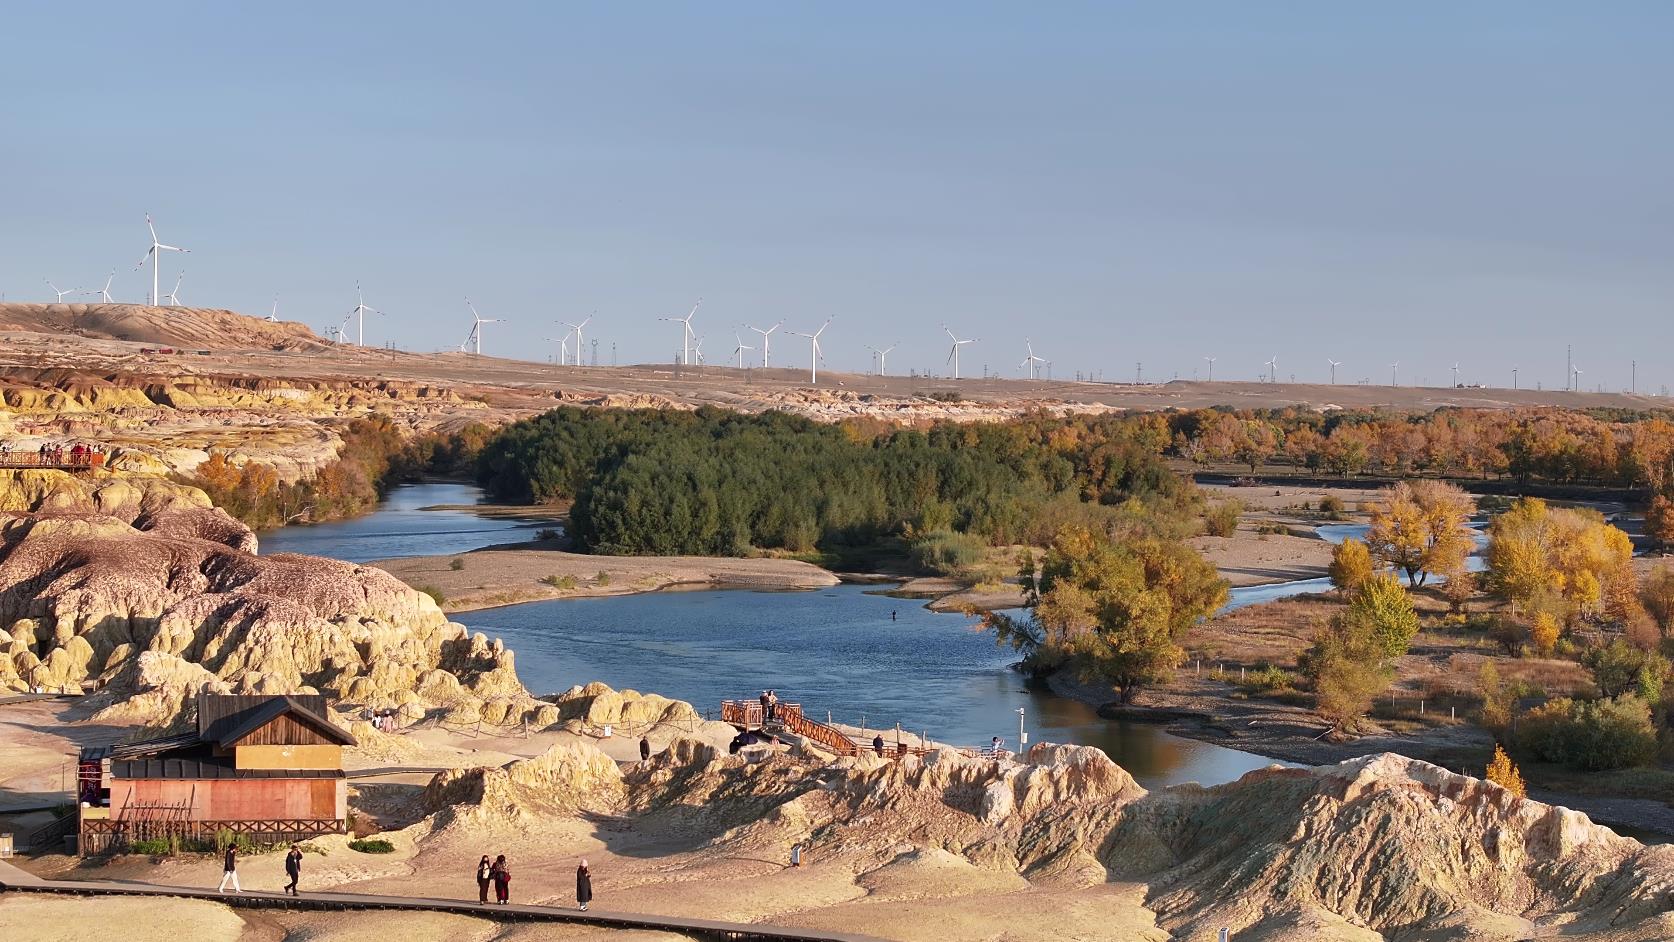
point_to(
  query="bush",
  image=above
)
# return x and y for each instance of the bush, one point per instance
(1351, 565)
(225, 838)
(1385, 609)
(1222, 518)
(372, 845)
(457, 564)
(436, 595)
(561, 583)
(1543, 634)
(947, 553)
(603, 578)
(152, 847)
(1592, 736)
(1332, 507)
(1503, 772)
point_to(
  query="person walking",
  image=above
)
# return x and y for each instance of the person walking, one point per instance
(485, 876)
(293, 869)
(501, 872)
(583, 885)
(229, 871)
(878, 744)
(644, 749)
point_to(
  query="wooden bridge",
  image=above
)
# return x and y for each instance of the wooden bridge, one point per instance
(51, 461)
(14, 880)
(790, 718)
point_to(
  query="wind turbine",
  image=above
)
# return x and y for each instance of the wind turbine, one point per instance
(273, 315)
(738, 351)
(60, 294)
(953, 354)
(1272, 369)
(174, 295)
(1211, 360)
(1030, 360)
(883, 357)
(563, 347)
(1455, 374)
(697, 350)
(1392, 368)
(764, 341)
(686, 334)
(477, 320)
(359, 311)
(104, 293)
(1575, 376)
(579, 342)
(1334, 365)
(155, 256)
(814, 353)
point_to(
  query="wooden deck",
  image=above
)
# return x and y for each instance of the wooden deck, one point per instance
(14, 880)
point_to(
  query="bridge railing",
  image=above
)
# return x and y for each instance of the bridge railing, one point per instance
(62, 461)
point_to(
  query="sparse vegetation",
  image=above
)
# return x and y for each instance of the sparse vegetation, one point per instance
(1502, 772)
(372, 845)
(1221, 519)
(456, 564)
(564, 583)
(1592, 735)
(436, 595)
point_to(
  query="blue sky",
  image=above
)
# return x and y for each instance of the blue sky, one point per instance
(1483, 182)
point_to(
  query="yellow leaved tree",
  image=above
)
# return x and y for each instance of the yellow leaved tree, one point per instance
(1502, 772)
(1422, 528)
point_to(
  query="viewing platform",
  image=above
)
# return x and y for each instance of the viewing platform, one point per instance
(57, 461)
(840, 738)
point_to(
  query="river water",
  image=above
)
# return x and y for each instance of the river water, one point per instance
(865, 657)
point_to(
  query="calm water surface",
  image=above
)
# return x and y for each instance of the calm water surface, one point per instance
(400, 528)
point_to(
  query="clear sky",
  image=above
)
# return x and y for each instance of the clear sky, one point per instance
(1420, 182)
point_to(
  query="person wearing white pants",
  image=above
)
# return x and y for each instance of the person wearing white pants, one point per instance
(229, 871)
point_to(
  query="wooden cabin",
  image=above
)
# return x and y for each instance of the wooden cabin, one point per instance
(267, 766)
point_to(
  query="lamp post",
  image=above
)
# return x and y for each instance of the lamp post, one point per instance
(1022, 737)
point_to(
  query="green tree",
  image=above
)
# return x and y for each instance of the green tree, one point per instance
(1593, 736)
(1383, 608)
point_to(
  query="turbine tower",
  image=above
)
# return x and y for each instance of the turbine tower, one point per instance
(883, 357)
(563, 347)
(1575, 376)
(359, 311)
(155, 256)
(273, 315)
(477, 320)
(1455, 374)
(1334, 365)
(764, 334)
(1030, 360)
(104, 293)
(1211, 360)
(174, 295)
(814, 352)
(1392, 368)
(697, 349)
(579, 341)
(738, 351)
(60, 294)
(686, 334)
(1272, 369)
(953, 354)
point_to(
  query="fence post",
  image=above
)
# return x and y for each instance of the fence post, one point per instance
(1240, 672)
(1421, 707)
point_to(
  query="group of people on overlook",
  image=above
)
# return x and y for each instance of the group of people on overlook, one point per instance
(498, 874)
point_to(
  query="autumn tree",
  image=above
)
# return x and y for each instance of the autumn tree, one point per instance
(1543, 633)
(1350, 661)
(1537, 552)
(1502, 772)
(1421, 528)
(1351, 565)
(1656, 593)
(1659, 521)
(1384, 610)
(1112, 611)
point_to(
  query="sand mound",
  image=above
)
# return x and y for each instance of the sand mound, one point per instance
(194, 328)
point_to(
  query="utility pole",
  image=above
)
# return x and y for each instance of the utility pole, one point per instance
(1633, 383)
(613, 353)
(1138, 372)
(1569, 367)
(1514, 377)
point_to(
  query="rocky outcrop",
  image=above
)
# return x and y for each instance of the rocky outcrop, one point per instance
(568, 778)
(628, 711)
(141, 590)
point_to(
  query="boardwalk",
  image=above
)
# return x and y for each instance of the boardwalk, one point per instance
(58, 461)
(14, 880)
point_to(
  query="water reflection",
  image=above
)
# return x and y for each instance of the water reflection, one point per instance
(400, 528)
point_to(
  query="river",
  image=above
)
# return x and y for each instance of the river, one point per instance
(867, 658)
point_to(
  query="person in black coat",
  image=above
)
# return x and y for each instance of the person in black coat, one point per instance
(485, 876)
(583, 886)
(878, 744)
(644, 749)
(502, 880)
(293, 869)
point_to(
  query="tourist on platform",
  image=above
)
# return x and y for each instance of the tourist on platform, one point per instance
(293, 869)
(878, 744)
(485, 876)
(229, 871)
(583, 885)
(766, 711)
(501, 872)
(998, 747)
(772, 704)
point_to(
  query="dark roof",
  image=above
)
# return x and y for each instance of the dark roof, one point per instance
(204, 766)
(224, 719)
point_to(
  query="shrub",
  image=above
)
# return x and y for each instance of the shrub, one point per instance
(436, 595)
(1332, 507)
(562, 583)
(1386, 611)
(542, 536)
(1503, 773)
(1543, 634)
(946, 552)
(1619, 667)
(1593, 736)
(372, 845)
(152, 846)
(1496, 699)
(1222, 518)
(457, 564)
(1351, 565)
(603, 578)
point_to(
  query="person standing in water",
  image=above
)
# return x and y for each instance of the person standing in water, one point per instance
(583, 885)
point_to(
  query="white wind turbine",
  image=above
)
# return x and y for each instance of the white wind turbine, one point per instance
(563, 347)
(174, 295)
(1334, 365)
(697, 350)
(60, 294)
(686, 334)
(1455, 374)
(814, 352)
(764, 340)
(883, 357)
(1211, 361)
(1030, 360)
(1392, 368)
(738, 351)
(579, 341)
(1575, 376)
(359, 311)
(273, 315)
(953, 354)
(1272, 369)
(155, 256)
(477, 320)
(104, 293)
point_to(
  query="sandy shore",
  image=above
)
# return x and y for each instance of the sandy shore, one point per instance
(496, 576)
